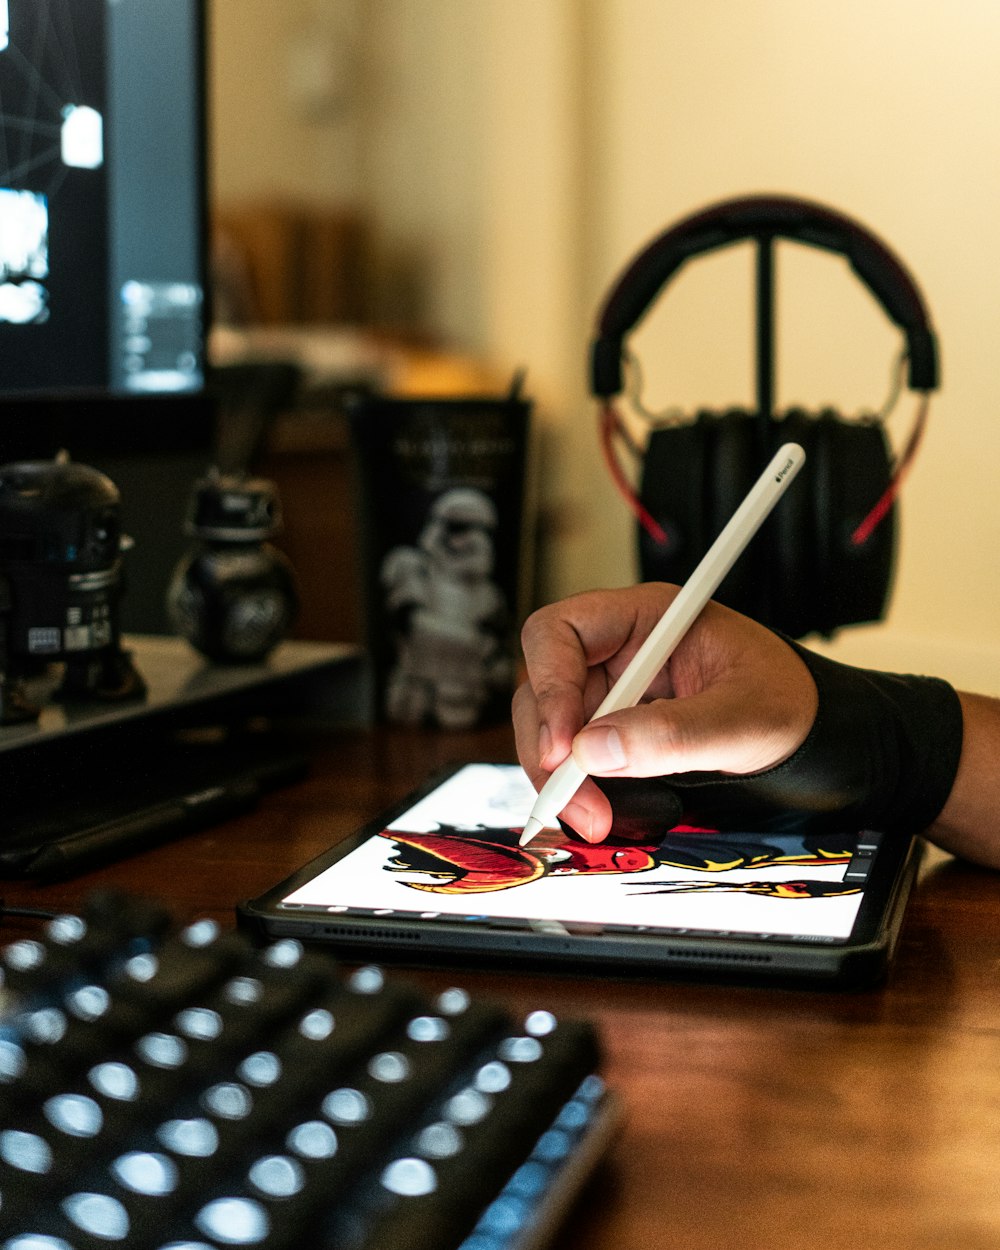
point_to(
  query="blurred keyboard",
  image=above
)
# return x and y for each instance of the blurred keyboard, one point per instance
(189, 1090)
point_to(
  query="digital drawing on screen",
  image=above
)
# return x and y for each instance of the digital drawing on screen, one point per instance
(456, 852)
(453, 861)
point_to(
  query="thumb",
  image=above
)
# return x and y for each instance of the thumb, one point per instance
(721, 729)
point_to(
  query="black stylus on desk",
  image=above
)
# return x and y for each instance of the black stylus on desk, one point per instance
(143, 828)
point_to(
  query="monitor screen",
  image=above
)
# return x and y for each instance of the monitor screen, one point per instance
(103, 213)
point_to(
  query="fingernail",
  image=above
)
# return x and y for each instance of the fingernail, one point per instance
(599, 750)
(544, 742)
(591, 835)
(590, 832)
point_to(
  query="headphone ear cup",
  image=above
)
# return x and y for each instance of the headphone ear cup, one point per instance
(789, 536)
(671, 489)
(822, 580)
(860, 575)
(832, 476)
(737, 454)
(802, 573)
(694, 477)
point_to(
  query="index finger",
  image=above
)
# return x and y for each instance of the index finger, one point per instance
(589, 811)
(574, 650)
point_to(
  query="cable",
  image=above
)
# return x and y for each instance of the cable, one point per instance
(611, 425)
(882, 505)
(26, 913)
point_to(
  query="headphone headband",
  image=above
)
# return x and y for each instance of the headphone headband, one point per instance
(763, 218)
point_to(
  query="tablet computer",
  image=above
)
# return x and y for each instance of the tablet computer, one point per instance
(441, 877)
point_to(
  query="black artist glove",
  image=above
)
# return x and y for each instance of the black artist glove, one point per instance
(882, 754)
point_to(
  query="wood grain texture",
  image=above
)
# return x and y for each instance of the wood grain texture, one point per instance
(785, 1119)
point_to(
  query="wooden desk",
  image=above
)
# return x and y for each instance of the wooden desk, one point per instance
(779, 1119)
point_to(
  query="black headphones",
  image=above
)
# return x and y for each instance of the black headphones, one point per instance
(825, 558)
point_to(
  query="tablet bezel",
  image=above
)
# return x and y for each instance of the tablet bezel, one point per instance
(859, 960)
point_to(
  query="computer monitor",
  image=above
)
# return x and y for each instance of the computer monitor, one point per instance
(103, 292)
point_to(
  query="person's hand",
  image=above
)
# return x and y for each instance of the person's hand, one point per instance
(733, 697)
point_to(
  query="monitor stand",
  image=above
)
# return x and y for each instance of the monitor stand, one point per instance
(104, 780)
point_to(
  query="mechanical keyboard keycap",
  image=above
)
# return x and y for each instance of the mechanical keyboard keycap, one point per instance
(188, 1090)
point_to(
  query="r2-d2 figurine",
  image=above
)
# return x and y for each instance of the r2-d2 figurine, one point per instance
(61, 582)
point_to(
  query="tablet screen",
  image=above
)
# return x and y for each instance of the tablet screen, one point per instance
(454, 855)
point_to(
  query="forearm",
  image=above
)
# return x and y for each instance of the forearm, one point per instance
(882, 753)
(745, 725)
(969, 822)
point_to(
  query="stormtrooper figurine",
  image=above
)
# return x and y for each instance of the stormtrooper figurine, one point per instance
(449, 616)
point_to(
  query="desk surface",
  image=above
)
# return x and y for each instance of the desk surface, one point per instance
(792, 1120)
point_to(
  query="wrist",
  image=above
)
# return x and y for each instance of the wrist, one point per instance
(882, 753)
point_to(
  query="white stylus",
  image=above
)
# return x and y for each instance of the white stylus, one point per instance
(673, 625)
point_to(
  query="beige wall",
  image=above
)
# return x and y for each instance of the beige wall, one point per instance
(274, 131)
(888, 110)
(527, 148)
